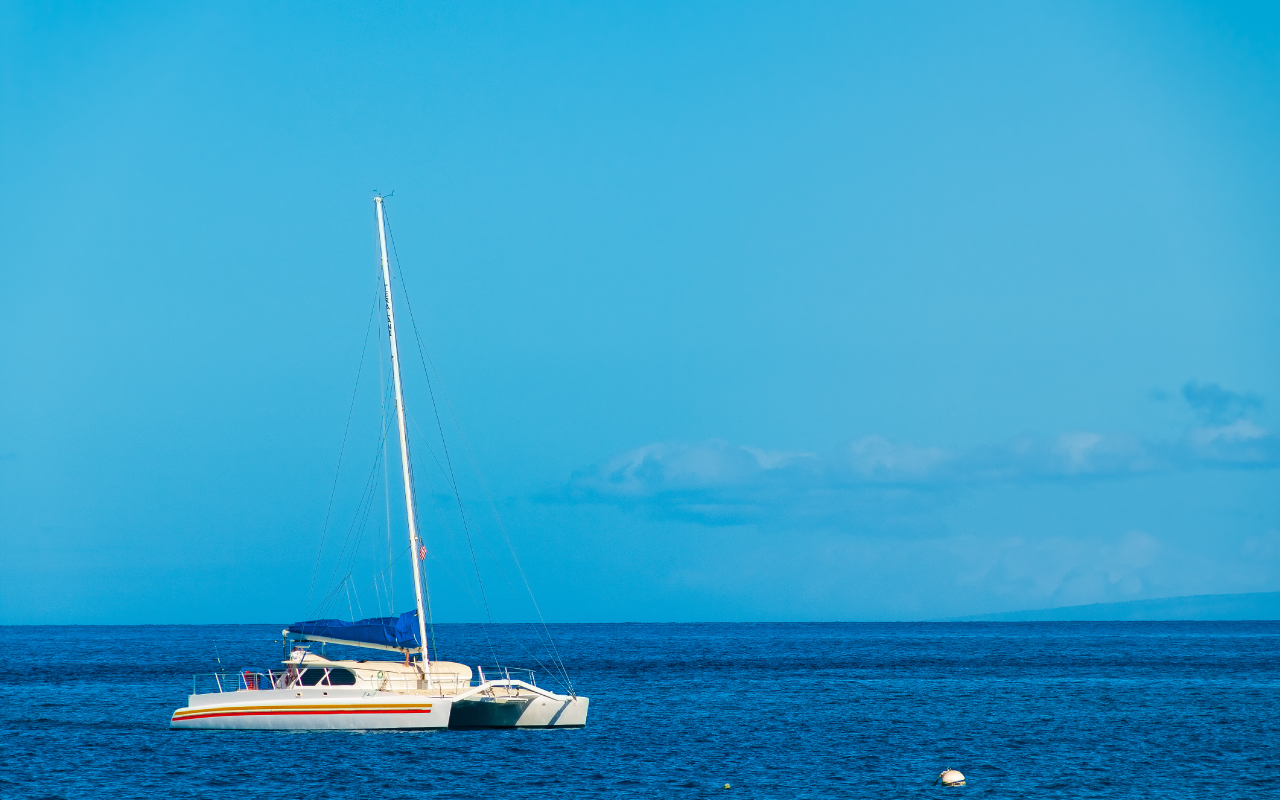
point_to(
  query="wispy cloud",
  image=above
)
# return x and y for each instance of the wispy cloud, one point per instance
(1218, 406)
(718, 482)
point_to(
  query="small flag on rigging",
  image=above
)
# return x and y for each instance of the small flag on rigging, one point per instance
(422, 552)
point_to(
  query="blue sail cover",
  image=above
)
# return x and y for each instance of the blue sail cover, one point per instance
(401, 631)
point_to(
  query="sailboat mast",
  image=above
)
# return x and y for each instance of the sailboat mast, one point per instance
(414, 543)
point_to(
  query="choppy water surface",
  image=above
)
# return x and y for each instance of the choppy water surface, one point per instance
(1138, 709)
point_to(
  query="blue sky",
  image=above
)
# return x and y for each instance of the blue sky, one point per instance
(743, 310)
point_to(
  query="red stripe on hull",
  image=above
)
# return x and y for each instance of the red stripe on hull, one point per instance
(295, 713)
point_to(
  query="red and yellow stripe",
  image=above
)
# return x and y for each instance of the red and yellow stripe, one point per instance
(294, 709)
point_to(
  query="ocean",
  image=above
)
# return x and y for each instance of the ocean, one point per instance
(821, 710)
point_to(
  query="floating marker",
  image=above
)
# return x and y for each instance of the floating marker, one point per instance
(726, 786)
(949, 777)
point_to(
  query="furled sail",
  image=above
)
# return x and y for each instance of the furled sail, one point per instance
(384, 632)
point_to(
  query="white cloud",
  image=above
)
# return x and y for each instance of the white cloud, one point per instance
(718, 482)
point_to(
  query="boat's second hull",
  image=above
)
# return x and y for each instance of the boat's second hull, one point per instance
(525, 712)
(285, 710)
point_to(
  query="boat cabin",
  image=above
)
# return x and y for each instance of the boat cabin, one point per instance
(304, 668)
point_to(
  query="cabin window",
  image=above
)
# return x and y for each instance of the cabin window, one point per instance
(342, 677)
(312, 676)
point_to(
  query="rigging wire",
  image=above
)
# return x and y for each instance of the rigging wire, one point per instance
(465, 585)
(510, 547)
(502, 626)
(453, 480)
(358, 526)
(348, 590)
(505, 628)
(363, 509)
(342, 450)
(444, 523)
(386, 480)
(426, 578)
(346, 587)
(444, 445)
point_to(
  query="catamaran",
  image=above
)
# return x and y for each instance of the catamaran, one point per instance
(313, 692)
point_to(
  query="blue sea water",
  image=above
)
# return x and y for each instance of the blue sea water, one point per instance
(1046, 709)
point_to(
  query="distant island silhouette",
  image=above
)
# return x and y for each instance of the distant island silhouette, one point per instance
(1251, 606)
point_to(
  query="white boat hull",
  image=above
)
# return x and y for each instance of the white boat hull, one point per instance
(312, 710)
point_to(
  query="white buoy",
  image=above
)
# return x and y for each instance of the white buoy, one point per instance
(950, 777)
